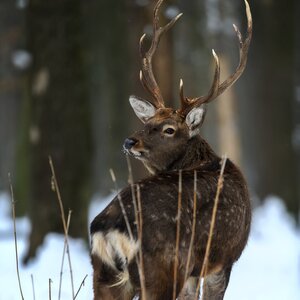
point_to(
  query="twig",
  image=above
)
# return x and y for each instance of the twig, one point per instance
(81, 285)
(138, 219)
(212, 225)
(15, 234)
(177, 233)
(56, 189)
(193, 227)
(113, 177)
(140, 237)
(32, 284)
(127, 222)
(63, 256)
(49, 284)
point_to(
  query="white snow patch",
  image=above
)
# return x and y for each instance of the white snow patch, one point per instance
(142, 2)
(268, 268)
(21, 59)
(171, 12)
(21, 4)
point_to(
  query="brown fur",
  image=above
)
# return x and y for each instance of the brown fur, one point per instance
(169, 143)
(159, 198)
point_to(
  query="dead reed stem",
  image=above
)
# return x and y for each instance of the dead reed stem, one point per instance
(140, 237)
(139, 221)
(49, 285)
(212, 225)
(13, 203)
(193, 227)
(177, 233)
(32, 284)
(81, 285)
(113, 177)
(56, 189)
(63, 256)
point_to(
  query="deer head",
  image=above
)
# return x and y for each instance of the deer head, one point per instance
(167, 131)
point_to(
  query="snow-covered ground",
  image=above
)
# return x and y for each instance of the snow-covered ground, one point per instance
(269, 268)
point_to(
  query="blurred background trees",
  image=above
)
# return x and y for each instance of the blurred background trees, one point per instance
(68, 67)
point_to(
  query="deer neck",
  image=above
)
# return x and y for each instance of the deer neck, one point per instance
(197, 153)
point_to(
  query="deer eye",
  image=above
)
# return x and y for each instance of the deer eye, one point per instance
(169, 131)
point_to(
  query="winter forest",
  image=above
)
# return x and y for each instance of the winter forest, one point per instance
(67, 69)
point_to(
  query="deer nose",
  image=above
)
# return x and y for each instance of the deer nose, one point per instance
(129, 143)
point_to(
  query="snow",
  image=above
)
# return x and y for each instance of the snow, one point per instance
(21, 4)
(172, 11)
(142, 2)
(21, 59)
(268, 268)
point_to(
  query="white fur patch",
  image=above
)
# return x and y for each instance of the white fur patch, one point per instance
(107, 246)
(194, 119)
(142, 108)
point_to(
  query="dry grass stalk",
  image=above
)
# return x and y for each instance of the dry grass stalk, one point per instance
(49, 285)
(63, 256)
(177, 233)
(139, 222)
(63, 218)
(15, 234)
(81, 285)
(32, 284)
(113, 177)
(140, 237)
(212, 225)
(138, 216)
(193, 227)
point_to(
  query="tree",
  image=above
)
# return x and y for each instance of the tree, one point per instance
(11, 73)
(60, 118)
(267, 103)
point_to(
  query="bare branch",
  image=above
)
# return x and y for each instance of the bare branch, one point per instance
(113, 177)
(15, 234)
(177, 233)
(81, 285)
(193, 227)
(63, 256)
(140, 237)
(55, 187)
(49, 287)
(139, 222)
(32, 284)
(212, 224)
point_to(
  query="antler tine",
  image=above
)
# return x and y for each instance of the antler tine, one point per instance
(146, 75)
(215, 85)
(244, 47)
(184, 100)
(216, 88)
(187, 104)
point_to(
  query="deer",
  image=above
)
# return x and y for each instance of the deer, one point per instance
(138, 242)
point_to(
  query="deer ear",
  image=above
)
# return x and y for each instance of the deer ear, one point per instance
(142, 108)
(195, 118)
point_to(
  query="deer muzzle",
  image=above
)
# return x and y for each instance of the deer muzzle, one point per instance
(129, 143)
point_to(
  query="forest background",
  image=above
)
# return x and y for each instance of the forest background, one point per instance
(67, 68)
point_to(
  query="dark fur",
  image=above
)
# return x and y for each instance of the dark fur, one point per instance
(159, 197)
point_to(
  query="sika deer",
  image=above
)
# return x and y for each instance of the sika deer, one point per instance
(133, 252)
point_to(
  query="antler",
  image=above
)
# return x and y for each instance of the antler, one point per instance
(216, 88)
(146, 74)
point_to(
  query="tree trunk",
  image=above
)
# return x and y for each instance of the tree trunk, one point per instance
(11, 73)
(60, 118)
(267, 103)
